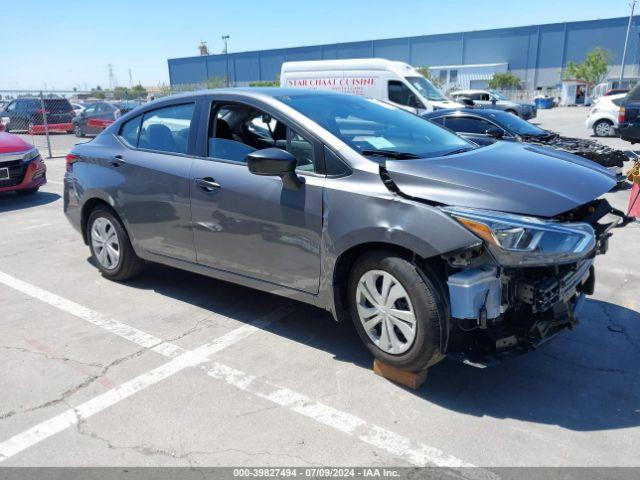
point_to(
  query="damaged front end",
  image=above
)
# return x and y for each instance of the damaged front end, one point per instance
(526, 281)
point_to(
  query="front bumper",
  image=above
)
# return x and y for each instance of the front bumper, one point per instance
(24, 176)
(535, 303)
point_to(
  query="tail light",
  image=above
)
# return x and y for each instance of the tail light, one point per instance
(621, 114)
(70, 160)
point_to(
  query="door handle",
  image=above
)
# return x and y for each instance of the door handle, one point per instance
(208, 184)
(117, 161)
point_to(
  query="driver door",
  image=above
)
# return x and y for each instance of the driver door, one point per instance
(251, 225)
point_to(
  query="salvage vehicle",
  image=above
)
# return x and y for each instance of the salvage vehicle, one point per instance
(485, 127)
(429, 243)
(629, 116)
(27, 114)
(493, 100)
(389, 81)
(22, 169)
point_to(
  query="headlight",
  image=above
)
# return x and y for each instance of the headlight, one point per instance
(516, 240)
(30, 155)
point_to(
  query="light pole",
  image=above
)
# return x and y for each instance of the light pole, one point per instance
(626, 42)
(225, 38)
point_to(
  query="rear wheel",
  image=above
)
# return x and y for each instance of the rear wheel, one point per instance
(77, 129)
(603, 128)
(110, 246)
(397, 310)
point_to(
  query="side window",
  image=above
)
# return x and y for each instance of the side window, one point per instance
(167, 129)
(486, 97)
(236, 130)
(90, 110)
(468, 125)
(131, 130)
(399, 93)
(617, 102)
(302, 149)
(333, 165)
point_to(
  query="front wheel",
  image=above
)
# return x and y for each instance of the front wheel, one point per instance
(110, 247)
(603, 128)
(397, 309)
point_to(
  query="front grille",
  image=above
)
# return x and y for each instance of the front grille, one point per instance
(17, 171)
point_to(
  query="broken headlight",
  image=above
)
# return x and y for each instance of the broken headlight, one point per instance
(516, 240)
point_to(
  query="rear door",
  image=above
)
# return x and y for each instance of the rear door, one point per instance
(154, 165)
(251, 225)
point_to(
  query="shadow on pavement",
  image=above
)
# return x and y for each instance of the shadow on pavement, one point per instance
(10, 201)
(584, 380)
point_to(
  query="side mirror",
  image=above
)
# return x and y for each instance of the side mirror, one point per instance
(275, 162)
(495, 132)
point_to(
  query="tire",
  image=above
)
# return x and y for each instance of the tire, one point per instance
(28, 191)
(123, 266)
(603, 128)
(425, 300)
(77, 129)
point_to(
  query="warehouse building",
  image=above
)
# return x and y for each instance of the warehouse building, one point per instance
(536, 54)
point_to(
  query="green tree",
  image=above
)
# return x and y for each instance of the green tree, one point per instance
(264, 84)
(424, 71)
(593, 70)
(504, 81)
(98, 93)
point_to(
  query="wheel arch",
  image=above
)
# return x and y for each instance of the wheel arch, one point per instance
(89, 206)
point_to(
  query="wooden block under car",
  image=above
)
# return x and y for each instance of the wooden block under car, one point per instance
(413, 380)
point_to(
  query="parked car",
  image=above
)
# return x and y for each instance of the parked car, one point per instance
(354, 206)
(485, 127)
(385, 80)
(21, 167)
(495, 101)
(629, 116)
(603, 115)
(26, 114)
(97, 116)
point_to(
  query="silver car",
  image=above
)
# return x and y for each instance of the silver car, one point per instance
(494, 100)
(431, 245)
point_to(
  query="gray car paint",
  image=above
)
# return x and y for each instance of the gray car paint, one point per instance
(356, 210)
(507, 177)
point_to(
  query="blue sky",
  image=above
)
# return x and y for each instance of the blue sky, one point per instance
(64, 43)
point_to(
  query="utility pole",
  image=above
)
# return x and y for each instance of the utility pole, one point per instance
(632, 4)
(225, 38)
(110, 68)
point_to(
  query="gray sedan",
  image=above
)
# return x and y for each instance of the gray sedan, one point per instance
(354, 206)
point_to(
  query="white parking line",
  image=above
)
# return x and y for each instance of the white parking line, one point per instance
(415, 453)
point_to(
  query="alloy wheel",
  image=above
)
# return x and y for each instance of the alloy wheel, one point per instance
(385, 312)
(105, 243)
(603, 129)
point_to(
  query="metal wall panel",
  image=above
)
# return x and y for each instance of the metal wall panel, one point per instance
(535, 53)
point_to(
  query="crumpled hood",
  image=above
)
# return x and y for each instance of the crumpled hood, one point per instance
(505, 176)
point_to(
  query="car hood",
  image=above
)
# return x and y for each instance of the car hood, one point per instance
(13, 144)
(505, 176)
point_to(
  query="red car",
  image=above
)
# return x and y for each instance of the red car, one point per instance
(21, 167)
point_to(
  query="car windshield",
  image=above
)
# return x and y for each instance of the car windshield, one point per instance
(370, 126)
(498, 96)
(516, 125)
(427, 89)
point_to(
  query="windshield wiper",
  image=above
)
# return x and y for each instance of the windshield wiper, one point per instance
(459, 150)
(390, 154)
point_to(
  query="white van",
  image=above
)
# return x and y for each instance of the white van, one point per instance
(394, 82)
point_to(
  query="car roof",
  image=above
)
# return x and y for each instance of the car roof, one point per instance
(479, 112)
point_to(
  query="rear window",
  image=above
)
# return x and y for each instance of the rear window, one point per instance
(57, 105)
